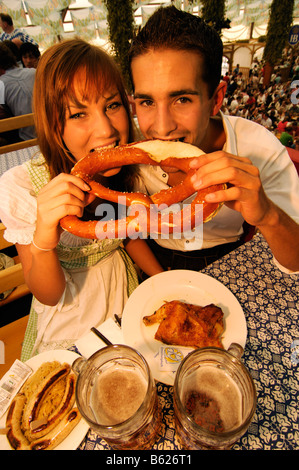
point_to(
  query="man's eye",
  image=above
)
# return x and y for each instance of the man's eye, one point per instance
(145, 103)
(184, 99)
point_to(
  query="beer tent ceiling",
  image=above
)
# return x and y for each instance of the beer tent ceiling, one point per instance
(44, 21)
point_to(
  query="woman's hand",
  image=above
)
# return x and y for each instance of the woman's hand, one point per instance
(63, 195)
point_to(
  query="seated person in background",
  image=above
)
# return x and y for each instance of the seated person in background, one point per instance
(15, 50)
(29, 54)
(17, 88)
(17, 35)
(175, 64)
(286, 139)
(266, 120)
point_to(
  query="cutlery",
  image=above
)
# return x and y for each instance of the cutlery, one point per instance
(101, 336)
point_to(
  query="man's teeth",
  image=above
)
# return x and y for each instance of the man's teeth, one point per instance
(180, 139)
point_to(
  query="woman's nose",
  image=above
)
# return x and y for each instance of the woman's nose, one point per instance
(102, 125)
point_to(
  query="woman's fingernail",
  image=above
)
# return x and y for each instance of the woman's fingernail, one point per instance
(87, 187)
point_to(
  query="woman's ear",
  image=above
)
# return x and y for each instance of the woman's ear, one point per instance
(218, 97)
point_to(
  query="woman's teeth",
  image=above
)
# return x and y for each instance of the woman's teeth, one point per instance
(110, 146)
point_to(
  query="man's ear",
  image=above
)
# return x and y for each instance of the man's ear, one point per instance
(218, 97)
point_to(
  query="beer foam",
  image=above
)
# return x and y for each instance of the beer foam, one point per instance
(219, 387)
(117, 395)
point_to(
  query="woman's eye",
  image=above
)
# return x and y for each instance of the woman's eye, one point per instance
(114, 105)
(76, 115)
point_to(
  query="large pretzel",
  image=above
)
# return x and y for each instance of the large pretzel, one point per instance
(151, 220)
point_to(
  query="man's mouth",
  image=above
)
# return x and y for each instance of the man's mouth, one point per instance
(178, 139)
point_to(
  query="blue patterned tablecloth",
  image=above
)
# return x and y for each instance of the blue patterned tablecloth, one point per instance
(270, 300)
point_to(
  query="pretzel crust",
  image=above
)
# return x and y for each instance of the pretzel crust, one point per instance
(175, 154)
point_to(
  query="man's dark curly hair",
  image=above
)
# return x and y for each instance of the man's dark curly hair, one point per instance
(170, 28)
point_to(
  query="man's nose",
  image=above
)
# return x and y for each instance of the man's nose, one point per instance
(164, 123)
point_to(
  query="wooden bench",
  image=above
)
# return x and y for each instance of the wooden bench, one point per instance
(12, 277)
(11, 338)
(17, 122)
(12, 334)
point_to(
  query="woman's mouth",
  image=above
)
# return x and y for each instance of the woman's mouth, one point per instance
(99, 147)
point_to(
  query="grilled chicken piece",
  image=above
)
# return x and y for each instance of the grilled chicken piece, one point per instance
(186, 324)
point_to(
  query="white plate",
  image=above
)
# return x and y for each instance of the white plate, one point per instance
(187, 286)
(74, 439)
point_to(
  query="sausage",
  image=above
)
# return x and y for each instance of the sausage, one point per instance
(33, 404)
(46, 412)
(15, 435)
(59, 433)
(58, 414)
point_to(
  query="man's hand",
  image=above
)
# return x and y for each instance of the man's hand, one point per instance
(246, 195)
(244, 191)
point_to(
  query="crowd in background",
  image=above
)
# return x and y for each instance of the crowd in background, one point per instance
(274, 106)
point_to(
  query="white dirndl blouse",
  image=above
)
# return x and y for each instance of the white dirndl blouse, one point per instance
(99, 273)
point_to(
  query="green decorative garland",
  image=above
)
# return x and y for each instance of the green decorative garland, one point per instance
(279, 25)
(121, 23)
(213, 12)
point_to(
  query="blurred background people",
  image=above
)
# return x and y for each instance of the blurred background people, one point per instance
(17, 35)
(16, 88)
(29, 54)
(14, 49)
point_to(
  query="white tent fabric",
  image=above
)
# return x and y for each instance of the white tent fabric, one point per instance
(44, 20)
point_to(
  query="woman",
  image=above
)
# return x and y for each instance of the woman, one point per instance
(80, 104)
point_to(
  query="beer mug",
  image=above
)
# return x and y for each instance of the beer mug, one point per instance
(117, 396)
(214, 398)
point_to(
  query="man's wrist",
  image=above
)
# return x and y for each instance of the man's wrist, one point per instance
(271, 217)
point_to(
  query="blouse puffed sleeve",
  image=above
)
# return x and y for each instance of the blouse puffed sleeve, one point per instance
(18, 205)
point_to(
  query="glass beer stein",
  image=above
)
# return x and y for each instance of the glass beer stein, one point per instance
(116, 395)
(214, 398)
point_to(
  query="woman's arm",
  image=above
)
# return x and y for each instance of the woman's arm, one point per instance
(143, 256)
(64, 195)
(43, 273)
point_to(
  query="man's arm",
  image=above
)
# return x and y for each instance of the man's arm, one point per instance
(245, 194)
(282, 235)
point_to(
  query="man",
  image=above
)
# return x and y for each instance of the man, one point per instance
(176, 68)
(16, 88)
(266, 121)
(30, 55)
(18, 36)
